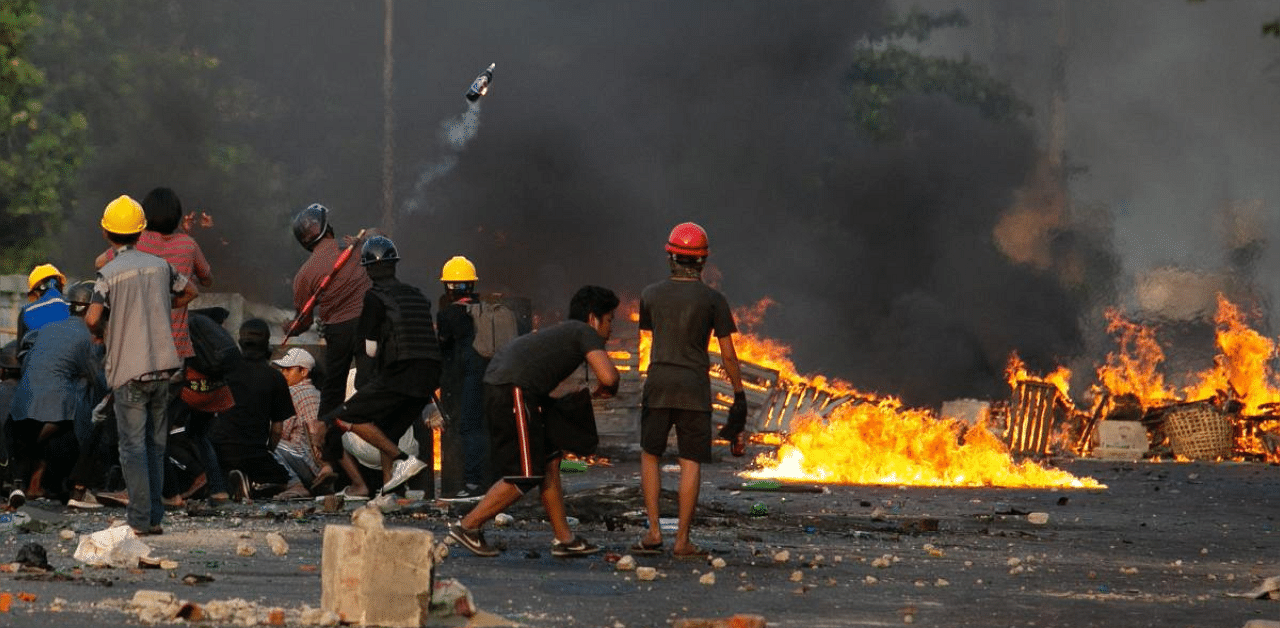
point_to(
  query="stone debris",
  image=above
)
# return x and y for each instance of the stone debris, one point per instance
(736, 621)
(708, 578)
(245, 548)
(449, 598)
(1038, 518)
(646, 573)
(871, 580)
(113, 547)
(885, 561)
(797, 576)
(503, 520)
(278, 545)
(626, 563)
(782, 556)
(1270, 588)
(718, 563)
(67, 535)
(1129, 570)
(376, 575)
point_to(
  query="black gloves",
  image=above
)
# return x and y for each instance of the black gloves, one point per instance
(735, 427)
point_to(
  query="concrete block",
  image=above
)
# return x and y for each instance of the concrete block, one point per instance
(1120, 440)
(371, 575)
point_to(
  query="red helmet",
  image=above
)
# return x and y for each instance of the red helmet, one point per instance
(687, 239)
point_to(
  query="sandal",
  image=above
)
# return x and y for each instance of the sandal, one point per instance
(640, 548)
(694, 552)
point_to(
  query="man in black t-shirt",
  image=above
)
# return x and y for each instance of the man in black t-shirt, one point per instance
(518, 387)
(683, 313)
(245, 436)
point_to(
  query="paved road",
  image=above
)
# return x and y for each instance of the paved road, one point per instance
(1161, 546)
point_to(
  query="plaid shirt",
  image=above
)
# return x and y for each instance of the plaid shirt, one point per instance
(302, 428)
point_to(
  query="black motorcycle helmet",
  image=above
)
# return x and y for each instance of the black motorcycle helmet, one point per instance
(311, 225)
(378, 249)
(78, 296)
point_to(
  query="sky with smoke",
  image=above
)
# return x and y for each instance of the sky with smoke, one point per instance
(606, 124)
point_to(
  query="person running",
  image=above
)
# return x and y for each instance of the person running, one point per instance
(518, 387)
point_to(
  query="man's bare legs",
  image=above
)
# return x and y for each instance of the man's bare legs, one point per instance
(500, 496)
(651, 488)
(503, 494)
(553, 502)
(351, 468)
(690, 483)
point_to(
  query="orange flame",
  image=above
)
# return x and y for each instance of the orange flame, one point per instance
(1016, 371)
(1133, 369)
(1241, 368)
(884, 443)
(1240, 372)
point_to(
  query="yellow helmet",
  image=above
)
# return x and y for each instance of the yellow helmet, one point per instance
(43, 272)
(458, 269)
(124, 216)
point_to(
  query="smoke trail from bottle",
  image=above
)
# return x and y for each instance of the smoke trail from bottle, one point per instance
(454, 134)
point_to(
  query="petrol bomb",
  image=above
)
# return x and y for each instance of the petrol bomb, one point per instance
(480, 86)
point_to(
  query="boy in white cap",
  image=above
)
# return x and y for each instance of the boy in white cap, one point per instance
(302, 440)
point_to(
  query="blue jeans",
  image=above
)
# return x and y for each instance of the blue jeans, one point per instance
(142, 419)
(198, 424)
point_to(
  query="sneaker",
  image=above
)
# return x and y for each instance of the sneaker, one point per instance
(16, 499)
(469, 493)
(239, 482)
(471, 539)
(401, 471)
(577, 547)
(81, 498)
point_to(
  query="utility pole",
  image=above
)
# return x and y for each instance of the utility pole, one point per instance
(388, 123)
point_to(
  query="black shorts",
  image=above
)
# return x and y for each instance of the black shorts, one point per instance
(693, 432)
(520, 449)
(391, 411)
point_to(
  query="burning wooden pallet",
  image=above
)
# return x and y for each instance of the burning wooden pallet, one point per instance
(773, 402)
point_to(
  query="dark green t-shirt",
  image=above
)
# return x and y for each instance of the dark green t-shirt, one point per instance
(682, 316)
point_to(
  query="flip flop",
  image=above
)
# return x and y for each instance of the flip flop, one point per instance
(640, 548)
(694, 553)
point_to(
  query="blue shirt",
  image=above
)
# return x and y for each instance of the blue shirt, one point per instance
(49, 308)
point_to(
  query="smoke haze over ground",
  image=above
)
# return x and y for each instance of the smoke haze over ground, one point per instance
(606, 124)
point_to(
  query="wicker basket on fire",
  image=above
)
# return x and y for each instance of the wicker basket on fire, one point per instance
(1198, 431)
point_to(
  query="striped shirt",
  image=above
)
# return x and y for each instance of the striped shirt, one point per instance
(183, 253)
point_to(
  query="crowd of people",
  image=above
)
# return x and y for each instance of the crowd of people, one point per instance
(116, 393)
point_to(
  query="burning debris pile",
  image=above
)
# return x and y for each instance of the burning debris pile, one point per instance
(828, 431)
(1230, 410)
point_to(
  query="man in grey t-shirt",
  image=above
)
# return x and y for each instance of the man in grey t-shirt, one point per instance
(138, 290)
(518, 387)
(683, 313)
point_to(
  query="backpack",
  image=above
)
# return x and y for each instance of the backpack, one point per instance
(496, 324)
(216, 351)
